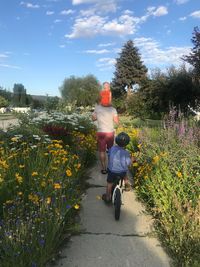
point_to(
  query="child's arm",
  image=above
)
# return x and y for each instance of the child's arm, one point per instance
(133, 159)
(110, 97)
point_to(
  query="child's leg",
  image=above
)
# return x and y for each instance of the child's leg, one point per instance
(109, 191)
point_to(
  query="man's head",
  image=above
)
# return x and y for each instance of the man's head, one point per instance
(106, 86)
(122, 139)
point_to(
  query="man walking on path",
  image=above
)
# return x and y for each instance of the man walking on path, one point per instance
(105, 117)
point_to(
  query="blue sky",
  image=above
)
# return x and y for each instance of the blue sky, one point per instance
(42, 42)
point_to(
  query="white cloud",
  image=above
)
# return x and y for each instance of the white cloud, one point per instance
(128, 12)
(182, 18)
(62, 46)
(90, 24)
(10, 66)
(67, 12)
(49, 13)
(105, 45)
(195, 14)
(87, 27)
(153, 54)
(160, 11)
(101, 7)
(3, 56)
(180, 2)
(97, 25)
(57, 20)
(78, 2)
(102, 51)
(29, 5)
(106, 63)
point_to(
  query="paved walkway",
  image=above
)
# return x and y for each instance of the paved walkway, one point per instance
(105, 242)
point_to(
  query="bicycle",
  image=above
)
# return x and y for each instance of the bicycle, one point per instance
(117, 192)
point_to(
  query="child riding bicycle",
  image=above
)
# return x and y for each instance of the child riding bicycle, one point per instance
(119, 160)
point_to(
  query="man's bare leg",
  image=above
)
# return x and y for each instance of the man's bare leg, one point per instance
(102, 156)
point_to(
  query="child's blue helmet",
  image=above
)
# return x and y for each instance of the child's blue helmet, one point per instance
(122, 139)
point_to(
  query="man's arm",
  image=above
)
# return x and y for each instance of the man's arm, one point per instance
(94, 116)
(116, 119)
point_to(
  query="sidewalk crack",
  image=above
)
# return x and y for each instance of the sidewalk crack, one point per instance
(113, 234)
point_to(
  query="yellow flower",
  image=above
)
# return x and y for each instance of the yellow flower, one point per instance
(68, 172)
(58, 146)
(77, 207)
(46, 154)
(21, 166)
(139, 146)
(9, 201)
(48, 200)
(34, 198)
(156, 159)
(78, 165)
(135, 164)
(43, 184)
(57, 186)
(14, 139)
(179, 174)
(54, 168)
(64, 160)
(19, 178)
(34, 173)
(57, 141)
(1, 180)
(4, 164)
(20, 193)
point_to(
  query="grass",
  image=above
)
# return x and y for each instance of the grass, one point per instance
(129, 121)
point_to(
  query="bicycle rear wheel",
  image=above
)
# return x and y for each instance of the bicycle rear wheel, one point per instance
(117, 203)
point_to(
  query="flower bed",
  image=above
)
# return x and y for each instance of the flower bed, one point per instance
(167, 179)
(39, 192)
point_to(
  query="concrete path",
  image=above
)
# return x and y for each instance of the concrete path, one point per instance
(104, 242)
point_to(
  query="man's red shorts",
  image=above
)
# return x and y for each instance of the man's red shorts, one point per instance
(105, 141)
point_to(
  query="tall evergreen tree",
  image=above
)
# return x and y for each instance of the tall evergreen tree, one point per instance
(130, 70)
(194, 57)
(19, 95)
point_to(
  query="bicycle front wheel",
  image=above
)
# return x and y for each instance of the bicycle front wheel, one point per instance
(117, 203)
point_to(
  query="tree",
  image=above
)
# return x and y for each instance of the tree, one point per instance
(19, 95)
(129, 70)
(51, 103)
(172, 88)
(194, 57)
(81, 91)
(3, 102)
(5, 94)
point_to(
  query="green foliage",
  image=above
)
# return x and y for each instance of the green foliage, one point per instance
(155, 96)
(51, 103)
(3, 102)
(167, 177)
(129, 70)
(82, 91)
(5, 94)
(194, 57)
(20, 98)
(40, 189)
